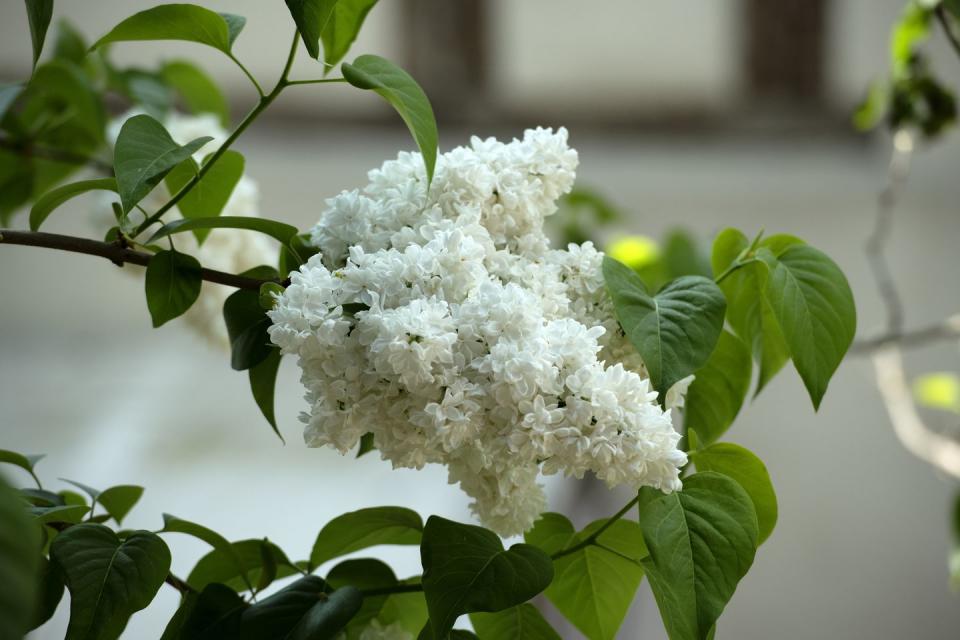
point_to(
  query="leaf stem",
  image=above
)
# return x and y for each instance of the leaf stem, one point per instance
(117, 253)
(247, 73)
(733, 267)
(400, 588)
(291, 83)
(592, 538)
(600, 545)
(941, 14)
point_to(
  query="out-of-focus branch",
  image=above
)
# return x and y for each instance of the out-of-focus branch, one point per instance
(944, 20)
(949, 329)
(35, 150)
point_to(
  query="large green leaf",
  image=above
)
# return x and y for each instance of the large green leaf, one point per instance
(278, 230)
(674, 331)
(595, 586)
(398, 88)
(199, 92)
(311, 16)
(719, 388)
(213, 614)
(701, 541)
(25, 462)
(43, 207)
(342, 28)
(365, 528)
(813, 304)
(172, 284)
(327, 618)
(109, 580)
(524, 621)
(173, 524)
(223, 567)
(209, 196)
(301, 611)
(247, 324)
(143, 155)
(19, 565)
(750, 473)
(186, 22)
(364, 574)
(119, 500)
(748, 309)
(39, 13)
(466, 570)
(263, 382)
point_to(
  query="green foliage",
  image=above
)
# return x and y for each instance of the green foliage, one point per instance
(71, 513)
(39, 13)
(278, 230)
(209, 196)
(403, 93)
(701, 541)
(45, 205)
(199, 92)
(172, 285)
(594, 586)
(173, 524)
(524, 621)
(263, 382)
(119, 500)
(177, 22)
(342, 27)
(8, 95)
(366, 574)
(409, 610)
(247, 324)
(49, 593)
(719, 389)
(954, 563)
(143, 155)
(27, 463)
(109, 579)
(255, 555)
(466, 570)
(365, 528)
(674, 331)
(750, 473)
(311, 16)
(19, 556)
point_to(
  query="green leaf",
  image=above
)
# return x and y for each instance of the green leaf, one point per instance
(235, 25)
(173, 524)
(396, 86)
(213, 614)
(748, 310)
(674, 331)
(39, 13)
(409, 610)
(302, 610)
(19, 565)
(175, 22)
(43, 207)
(367, 444)
(71, 513)
(750, 473)
(311, 16)
(60, 90)
(199, 92)
(278, 230)
(109, 580)
(172, 284)
(209, 196)
(365, 528)
(812, 302)
(551, 533)
(69, 44)
(20, 460)
(682, 256)
(87, 489)
(302, 251)
(328, 617)
(702, 541)
(595, 586)
(910, 30)
(719, 389)
(49, 594)
(524, 621)
(119, 500)
(364, 574)
(263, 382)
(342, 28)
(466, 570)
(143, 155)
(247, 325)
(221, 566)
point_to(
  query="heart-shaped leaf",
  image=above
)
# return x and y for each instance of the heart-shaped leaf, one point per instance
(19, 565)
(813, 304)
(209, 196)
(39, 13)
(143, 155)
(366, 528)
(466, 570)
(186, 22)
(701, 541)
(595, 586)
(119, 500)
(43, 207)
(750, 473)
(172, 284)
(109, 580)
(674, 331)
(719, 389)
(403, 93)
(524, 621)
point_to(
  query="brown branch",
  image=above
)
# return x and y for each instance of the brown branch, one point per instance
(948, 329)
(944, 20)
(117, 254)
(34, 150)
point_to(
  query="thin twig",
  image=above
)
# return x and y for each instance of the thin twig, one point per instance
(400, 588)
(941, 14)
(948, 329)
(116, 253)
(179, 584)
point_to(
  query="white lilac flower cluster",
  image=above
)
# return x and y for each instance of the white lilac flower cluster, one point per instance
(230, 250)
(444, 324)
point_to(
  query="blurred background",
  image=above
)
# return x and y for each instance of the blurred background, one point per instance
(698, 114)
